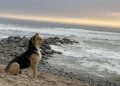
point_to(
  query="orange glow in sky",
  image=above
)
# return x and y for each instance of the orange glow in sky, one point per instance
(77, 21)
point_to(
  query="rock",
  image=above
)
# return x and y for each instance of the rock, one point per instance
(57, 41)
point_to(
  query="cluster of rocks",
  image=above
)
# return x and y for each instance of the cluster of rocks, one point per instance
(58, 41)
(13, 46)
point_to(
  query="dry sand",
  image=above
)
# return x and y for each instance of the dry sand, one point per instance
(43, 79)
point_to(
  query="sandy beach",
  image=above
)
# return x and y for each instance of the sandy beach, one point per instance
(42, 79)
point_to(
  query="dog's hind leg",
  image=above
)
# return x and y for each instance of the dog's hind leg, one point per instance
(14, 68)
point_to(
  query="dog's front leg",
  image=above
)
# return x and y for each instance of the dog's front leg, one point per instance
(34, 64)
(34, 68)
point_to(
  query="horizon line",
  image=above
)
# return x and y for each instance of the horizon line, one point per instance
(64, 20)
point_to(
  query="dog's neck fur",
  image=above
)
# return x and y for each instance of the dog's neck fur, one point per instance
(31, 47)
(38, 51)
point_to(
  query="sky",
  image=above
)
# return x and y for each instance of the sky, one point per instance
(86, 12)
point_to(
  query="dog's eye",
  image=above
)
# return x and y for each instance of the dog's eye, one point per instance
(39, 38)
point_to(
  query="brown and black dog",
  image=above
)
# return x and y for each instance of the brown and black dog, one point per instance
(29, 58)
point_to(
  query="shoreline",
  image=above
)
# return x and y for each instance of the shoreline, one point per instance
(17, 45)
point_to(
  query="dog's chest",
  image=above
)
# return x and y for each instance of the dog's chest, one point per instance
(39, 53)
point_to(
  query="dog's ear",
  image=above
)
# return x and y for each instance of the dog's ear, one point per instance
(37, 34)
(33, 39)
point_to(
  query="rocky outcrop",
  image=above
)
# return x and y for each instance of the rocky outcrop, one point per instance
(14, 46)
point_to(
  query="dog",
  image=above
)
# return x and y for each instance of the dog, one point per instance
(30, 58)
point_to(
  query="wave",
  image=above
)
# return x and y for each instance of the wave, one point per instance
(65, 52)
(64, 31)
(94, 52)
(100, 60)
(3, 36)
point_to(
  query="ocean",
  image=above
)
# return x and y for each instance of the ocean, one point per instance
(98, 52)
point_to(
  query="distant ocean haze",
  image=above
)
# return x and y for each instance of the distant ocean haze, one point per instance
(100, 22)
(38, 24)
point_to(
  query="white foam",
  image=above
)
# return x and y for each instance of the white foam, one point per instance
(104, 53)
(66, 52)
(98, 52)
(98, 59)
(1, 37)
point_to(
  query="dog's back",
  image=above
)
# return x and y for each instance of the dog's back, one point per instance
(22, 60)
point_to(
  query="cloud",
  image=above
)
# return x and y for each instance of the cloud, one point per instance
(60, 8)
(114, 14)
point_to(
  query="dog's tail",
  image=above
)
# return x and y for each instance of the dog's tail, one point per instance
(6, 68)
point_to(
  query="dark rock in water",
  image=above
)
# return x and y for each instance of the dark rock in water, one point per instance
(14, 39)
(57, 41)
